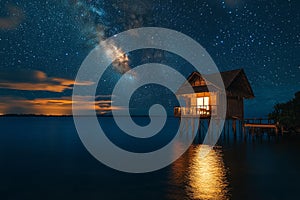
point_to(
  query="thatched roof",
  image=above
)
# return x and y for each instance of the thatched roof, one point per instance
(235, 81)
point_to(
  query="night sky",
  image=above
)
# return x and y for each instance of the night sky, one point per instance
(43, 43)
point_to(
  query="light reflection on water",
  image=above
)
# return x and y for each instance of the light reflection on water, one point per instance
(44, 156)
(200, 177)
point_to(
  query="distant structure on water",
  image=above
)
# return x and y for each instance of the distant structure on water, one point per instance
(204, 103)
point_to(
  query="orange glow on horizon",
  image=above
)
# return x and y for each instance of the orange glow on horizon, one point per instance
(45, 106)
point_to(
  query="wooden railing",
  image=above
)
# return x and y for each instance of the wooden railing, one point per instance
(259, 121)
(194, 111)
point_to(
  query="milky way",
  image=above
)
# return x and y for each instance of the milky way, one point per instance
(260, 36)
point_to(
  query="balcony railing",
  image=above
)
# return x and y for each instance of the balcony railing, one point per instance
(194, 111)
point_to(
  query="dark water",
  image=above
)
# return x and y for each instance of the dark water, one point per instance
(43, 158)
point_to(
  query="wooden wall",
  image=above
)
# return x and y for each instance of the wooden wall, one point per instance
(235, 107)
(235, 104)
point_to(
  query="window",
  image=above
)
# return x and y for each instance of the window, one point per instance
(198, 82)
(203, 103)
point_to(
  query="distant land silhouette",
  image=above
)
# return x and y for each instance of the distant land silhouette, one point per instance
(42, 115)
(33, 115)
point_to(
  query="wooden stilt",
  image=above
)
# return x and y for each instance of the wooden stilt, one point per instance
(193, 127)
(234, 128)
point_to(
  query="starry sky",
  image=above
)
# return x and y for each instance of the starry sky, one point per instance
(43, 43)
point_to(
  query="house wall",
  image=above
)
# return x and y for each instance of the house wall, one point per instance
(235, 104)
(235, 107)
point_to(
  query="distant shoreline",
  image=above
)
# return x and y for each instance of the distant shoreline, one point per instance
(35, 115)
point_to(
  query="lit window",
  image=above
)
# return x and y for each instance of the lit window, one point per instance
(203, 102)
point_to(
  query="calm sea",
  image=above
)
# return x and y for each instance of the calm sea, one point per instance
(43, 158)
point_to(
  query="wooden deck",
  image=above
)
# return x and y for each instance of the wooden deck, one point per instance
(194, 112)
(260, 124)
(252, 126)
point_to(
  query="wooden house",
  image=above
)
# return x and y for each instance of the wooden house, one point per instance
(204, 102)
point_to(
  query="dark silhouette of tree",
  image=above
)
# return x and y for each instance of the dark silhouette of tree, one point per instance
(288, 114)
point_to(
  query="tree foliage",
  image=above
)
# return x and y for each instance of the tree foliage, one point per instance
(288, 114)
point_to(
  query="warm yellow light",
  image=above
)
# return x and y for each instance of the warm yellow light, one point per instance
(207, 175)
(203, 177)
(203, 102)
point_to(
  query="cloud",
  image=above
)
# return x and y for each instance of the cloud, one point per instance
(14, 18)
(52, 106)
(36, 81)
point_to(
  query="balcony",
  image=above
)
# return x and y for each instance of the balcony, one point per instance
(195, 111)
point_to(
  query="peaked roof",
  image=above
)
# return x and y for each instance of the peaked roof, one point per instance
(229, 76)
(235, 82)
